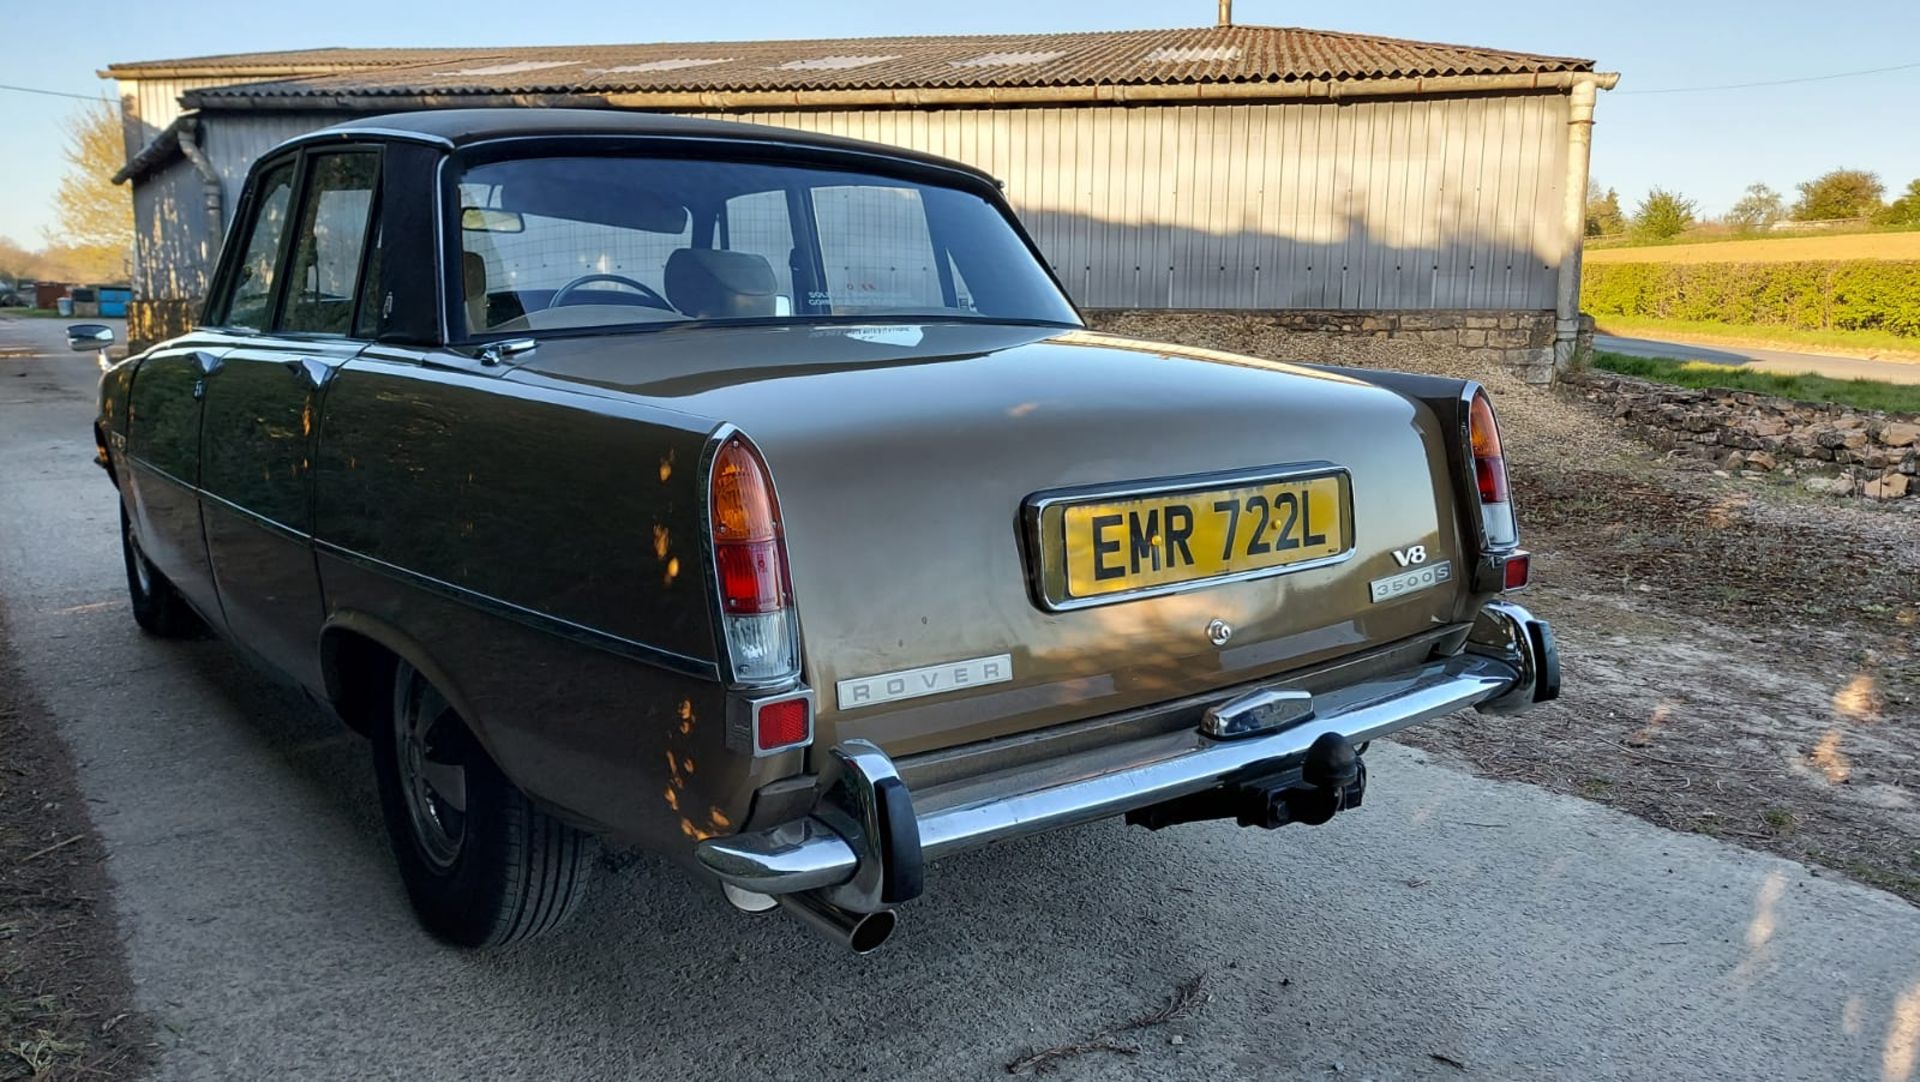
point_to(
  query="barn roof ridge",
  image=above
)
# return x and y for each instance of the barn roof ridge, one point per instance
(1236, 54)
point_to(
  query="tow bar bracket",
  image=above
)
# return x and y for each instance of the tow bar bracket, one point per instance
(1332, 778)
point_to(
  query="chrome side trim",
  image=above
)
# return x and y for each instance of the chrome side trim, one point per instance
(1047, 580)
(164, 475)
(533, 618)
(272, 526)
(811, 854)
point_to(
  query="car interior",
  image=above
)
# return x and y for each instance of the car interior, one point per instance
(584, 242)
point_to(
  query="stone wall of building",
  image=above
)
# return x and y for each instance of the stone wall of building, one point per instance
(1521, 341)
(1833, 448)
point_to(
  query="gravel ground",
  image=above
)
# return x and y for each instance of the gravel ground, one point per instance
(1742, 658)
(65, 1002)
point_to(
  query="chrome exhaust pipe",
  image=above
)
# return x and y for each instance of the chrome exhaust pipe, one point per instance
(861, 932)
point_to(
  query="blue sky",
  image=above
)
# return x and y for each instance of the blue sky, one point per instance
(1706, 145)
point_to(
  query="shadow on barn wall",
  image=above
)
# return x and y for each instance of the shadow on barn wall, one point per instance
(1492, 294)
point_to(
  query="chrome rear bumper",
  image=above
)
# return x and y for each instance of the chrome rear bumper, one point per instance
(865, 844)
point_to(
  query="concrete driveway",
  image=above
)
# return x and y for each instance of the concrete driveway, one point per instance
(1777, 361)
(1451, 921)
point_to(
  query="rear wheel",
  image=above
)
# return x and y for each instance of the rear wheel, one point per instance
(482, 866)
(157, 607)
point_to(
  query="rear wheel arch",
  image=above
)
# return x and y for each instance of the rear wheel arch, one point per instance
(359, 654)
(516, 871)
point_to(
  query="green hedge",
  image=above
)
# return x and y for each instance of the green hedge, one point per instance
(1855, 294)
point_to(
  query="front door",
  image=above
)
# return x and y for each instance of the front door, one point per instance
(163, 446)
(261, 419)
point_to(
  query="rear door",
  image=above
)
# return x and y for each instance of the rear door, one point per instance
(261, 414)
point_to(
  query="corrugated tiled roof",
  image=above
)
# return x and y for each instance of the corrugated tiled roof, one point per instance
(1230, 54)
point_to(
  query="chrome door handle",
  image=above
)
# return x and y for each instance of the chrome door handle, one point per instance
(209, 363)
(315, 373)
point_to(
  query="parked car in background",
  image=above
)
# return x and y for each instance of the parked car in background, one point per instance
(759, 498)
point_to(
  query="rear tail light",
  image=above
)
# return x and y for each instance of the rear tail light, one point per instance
(750, 565)
(1490, 475)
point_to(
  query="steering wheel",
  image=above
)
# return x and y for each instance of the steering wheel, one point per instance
(647, 292)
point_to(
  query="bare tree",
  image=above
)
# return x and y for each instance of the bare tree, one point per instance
(94, 233)
(1760, 208)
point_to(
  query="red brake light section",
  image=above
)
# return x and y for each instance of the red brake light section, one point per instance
(750, 578)
(1489, 466)
(783, 724)
(746, 533)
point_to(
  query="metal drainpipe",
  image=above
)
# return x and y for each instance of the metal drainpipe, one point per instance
(1579, 157)
(210, 182)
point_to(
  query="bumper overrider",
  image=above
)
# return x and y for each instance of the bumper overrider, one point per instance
(863, 849)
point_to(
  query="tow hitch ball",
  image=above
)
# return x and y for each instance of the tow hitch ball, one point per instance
(1331, 779)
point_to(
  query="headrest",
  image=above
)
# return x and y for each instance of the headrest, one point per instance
(473, 269)
(708, 283)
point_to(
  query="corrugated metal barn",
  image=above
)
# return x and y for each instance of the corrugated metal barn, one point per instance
(1227, 167)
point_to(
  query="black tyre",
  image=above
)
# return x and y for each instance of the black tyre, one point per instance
(482, 866)
(157, 607)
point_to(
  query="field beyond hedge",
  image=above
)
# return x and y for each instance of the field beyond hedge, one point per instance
(1856, 295)
(1843, 246)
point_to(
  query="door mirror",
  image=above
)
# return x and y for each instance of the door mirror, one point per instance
(88, 337)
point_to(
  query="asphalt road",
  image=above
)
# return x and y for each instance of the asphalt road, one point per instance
(1777, 361)
(1519, 933)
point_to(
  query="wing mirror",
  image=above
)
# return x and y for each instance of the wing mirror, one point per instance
(88, 337)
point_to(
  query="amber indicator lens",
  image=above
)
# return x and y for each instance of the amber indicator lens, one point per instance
(743, 508)
(1489, 467)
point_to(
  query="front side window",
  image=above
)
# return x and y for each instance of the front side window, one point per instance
(329, 242)
(251, 294)
(575, 242)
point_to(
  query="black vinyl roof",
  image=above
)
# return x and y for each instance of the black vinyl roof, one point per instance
(455, 128)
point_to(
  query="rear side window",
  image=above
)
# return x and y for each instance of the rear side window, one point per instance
(758, 223)
(329, 242)
(251, 294)
(877, 250)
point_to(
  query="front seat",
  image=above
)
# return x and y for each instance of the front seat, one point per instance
(712, 283)
(473, 275)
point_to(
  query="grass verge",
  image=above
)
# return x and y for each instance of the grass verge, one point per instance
(65, 1001)
(1858, 393)
(1871, 344)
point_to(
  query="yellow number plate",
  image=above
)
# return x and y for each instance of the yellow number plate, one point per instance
(1161, 540)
